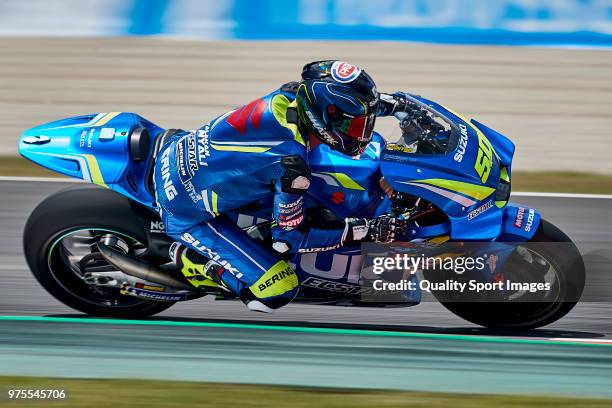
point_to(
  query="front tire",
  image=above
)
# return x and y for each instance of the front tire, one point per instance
(523, 316)
(83, 208)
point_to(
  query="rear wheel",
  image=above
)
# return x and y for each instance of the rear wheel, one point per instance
(60, 236)
(560, 265)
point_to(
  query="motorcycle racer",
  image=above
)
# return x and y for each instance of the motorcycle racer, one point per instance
(259, 151)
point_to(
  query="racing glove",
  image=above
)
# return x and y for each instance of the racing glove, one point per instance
(382, 229)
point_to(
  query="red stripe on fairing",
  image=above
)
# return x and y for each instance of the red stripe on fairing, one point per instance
(235, 122)
(258, 112)
(238, 120)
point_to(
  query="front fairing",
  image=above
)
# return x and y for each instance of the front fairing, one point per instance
(461, 182)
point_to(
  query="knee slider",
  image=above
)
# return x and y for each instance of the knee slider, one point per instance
(265, 305)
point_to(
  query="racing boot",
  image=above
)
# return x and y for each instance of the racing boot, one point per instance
(197, 269)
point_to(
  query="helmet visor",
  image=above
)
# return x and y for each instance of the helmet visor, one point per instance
(354, 133)
(358, 128)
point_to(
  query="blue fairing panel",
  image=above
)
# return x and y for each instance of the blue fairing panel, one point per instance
(503, 146)
(519, 223)
(95, 148)
(470, 219)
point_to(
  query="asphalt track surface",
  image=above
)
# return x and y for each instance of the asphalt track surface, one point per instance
(589, 222)
(422, 347)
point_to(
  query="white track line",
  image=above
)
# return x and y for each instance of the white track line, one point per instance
(560, 195)
(515, 194)
(592, 341)
(42, 179)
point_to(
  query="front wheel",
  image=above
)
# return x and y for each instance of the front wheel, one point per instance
(61, 235)
(564, 266)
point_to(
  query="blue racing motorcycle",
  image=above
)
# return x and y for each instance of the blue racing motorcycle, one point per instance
(101, 248)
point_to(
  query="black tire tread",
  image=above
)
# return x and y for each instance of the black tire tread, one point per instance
(82, 206)
(485, 316)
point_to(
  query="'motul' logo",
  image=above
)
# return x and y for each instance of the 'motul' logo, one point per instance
(344, 72)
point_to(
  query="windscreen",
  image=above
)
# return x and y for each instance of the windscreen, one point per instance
(423, 130)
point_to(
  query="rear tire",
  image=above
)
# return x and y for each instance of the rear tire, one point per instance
(516, 316)
(74, 209)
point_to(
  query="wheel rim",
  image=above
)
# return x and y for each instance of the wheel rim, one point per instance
(522, 306)
(541, 267)
(70, 247)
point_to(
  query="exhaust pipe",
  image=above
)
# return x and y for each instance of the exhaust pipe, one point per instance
(140, 269)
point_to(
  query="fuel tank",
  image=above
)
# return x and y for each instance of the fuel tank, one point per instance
(349, 186)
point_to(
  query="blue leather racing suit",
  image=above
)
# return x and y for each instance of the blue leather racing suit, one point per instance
(239, 158)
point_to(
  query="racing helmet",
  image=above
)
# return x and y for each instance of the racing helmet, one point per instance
(337, 103)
